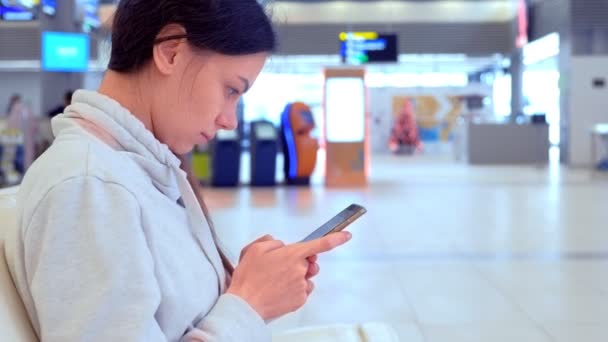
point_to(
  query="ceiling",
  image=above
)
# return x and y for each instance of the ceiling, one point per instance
(444, 63)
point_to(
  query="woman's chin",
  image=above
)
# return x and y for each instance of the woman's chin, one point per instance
(182, 149)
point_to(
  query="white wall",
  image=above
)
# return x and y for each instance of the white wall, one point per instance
(588, 105)
(25, 83)
(341, 12)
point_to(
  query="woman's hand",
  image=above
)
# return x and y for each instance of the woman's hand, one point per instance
(274, 278)
(313, 267)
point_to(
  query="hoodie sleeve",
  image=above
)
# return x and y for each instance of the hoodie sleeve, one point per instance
(88, 266)
(91, 274)
(231, 319)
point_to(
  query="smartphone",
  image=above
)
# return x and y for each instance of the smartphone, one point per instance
(338, 222)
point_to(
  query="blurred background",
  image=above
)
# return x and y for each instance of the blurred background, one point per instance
(475, 132)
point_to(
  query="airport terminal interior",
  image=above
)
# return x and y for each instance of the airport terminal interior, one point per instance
(475, 134)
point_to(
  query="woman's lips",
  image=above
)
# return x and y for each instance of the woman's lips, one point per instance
(207, 137)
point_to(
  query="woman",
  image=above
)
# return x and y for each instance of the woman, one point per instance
(113, 245)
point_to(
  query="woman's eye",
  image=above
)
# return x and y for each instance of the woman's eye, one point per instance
(232, 92)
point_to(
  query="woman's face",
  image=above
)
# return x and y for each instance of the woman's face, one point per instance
(200, 96)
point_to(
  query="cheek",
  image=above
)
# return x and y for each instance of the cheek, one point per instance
(207, 103)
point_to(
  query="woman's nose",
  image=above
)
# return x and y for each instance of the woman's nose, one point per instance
(227, 120)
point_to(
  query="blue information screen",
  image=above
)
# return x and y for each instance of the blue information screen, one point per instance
(65, 52)
(10, 11)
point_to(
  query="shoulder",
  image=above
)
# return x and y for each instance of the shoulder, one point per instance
(73, 159)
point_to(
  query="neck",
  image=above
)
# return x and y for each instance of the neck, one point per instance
(130, 92)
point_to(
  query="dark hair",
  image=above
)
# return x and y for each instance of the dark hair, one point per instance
(230, 27)
(67, 97)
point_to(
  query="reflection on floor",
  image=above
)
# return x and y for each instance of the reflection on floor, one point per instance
(448, 252)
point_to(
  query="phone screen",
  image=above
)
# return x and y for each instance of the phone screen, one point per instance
(338, 222)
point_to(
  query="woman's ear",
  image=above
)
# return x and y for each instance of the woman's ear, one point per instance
(165, 54)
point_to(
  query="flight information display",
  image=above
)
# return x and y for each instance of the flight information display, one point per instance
(368, 47)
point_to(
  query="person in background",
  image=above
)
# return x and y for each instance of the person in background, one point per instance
(67, 99)
(14, 101)
(22, 118)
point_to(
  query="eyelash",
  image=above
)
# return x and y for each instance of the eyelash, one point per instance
(233, 92)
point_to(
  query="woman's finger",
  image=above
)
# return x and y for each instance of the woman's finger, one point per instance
(266, 237)
(321, 245)
(313, 270)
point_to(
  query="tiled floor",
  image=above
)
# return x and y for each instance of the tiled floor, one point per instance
(448, 252)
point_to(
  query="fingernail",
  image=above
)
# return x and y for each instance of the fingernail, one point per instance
(348, 236)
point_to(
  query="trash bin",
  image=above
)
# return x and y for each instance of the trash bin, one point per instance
(263, 150)
(201, 163)
(225, 159)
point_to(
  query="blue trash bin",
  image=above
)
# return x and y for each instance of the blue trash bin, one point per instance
(263, 149)
(226, 159)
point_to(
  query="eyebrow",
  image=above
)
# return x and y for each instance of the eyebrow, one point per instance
(246, 82)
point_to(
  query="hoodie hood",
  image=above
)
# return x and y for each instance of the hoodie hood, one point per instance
(110, 122)
(113, 124)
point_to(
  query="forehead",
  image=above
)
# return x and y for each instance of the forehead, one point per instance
(246, 65)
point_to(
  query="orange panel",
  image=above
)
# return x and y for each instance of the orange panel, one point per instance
(346, 164)
(306, 146)
(344, 72)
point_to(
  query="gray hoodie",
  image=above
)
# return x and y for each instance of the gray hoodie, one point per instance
(112, 244)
